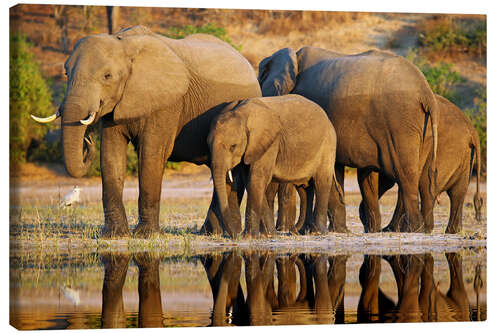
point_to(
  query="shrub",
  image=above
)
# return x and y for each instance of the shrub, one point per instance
(209, 28)
(477, 115)
(441, 77)
(447, 36)
(29, 94)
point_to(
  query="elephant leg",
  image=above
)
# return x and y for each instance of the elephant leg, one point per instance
(407, 271)
(322, 301)
(457, 197)
(457, 292)
(267, 226)
(113, 168)
(212, 224)
(427, 297)
(408, 183)
(309, 192)
(270, 195)
(115, 272)
(303, 210)
(286, 208)
(369, 209)
(322, 186)
(259, 179)
(287, 280)
(336, 207)
(151, 166)
(150, 308)
(369, 278)
(336, 285)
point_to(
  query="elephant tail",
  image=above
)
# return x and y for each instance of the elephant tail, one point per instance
(432, 113)
(476, 153)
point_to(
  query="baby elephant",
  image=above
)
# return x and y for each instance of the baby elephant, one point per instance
(283, 139)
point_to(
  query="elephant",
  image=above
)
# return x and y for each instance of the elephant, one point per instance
(318, 299)
(380, 105)
(224, 272)
(152, 91)
(458, 146)
(419, 298)
(115, 271)
(271, 138)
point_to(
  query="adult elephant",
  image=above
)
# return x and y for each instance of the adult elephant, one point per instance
(458, 147)
(379, 104)
(146, 88)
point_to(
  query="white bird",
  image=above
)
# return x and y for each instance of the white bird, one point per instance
(71, 295)
(71, 197)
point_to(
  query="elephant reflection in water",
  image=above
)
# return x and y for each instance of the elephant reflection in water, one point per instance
(319, 298)
(419, 297)
(115, 271)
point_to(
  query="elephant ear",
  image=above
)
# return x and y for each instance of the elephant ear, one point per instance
(278, 73)
(263, 128)
(158, 77)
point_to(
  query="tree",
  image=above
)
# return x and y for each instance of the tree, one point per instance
(113, 14)
(29, 94)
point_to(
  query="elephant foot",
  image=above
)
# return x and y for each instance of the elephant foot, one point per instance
(144, 230)
(452, 230)
(250, 234)
(319, 230)
(340, 229)
(113, 232)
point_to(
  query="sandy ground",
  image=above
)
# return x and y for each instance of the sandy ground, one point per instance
(185, 200)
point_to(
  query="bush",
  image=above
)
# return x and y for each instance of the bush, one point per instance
(209, 28)
(447, 36)
(29, 94)
(477, 115)
(441, 77)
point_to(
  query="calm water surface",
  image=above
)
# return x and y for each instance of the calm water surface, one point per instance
(57, 291)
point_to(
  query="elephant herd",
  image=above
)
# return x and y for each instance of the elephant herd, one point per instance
(310, 289)
(291, 129)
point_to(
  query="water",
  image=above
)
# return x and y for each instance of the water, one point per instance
(243, 287)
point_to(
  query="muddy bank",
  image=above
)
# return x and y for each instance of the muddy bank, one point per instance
(333, 243)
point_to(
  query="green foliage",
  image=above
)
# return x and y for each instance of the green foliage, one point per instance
(209, 28)
(441, 77)
(477, 115)
(449, 36)
(29, 94)
(43, 151)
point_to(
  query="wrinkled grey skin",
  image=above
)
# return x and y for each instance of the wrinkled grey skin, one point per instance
(146, 88)
(383, 111)
(262, 132)
(458, 147)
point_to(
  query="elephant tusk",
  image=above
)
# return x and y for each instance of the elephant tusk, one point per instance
(88, 140)
(89, 120)
(47, 119)
(230, 176)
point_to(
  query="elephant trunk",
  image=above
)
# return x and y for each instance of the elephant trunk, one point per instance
(78, 150)
(219, 173)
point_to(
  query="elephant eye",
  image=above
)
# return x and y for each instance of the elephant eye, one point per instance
(232, 148)
(107, 76)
